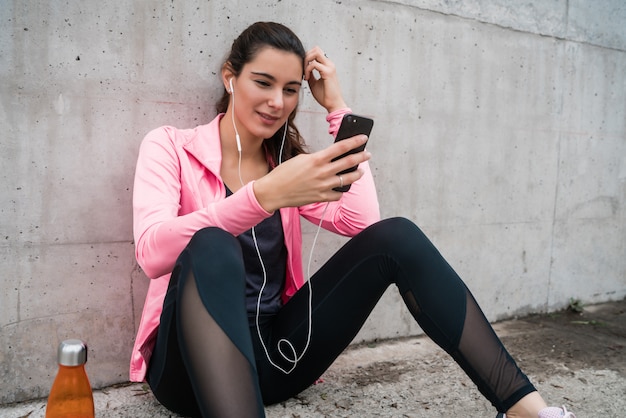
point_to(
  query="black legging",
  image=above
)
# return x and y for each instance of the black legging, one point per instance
(208, 361)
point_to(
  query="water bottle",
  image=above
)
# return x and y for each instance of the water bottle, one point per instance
(71, 394)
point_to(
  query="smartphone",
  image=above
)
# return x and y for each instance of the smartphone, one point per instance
(352, 125)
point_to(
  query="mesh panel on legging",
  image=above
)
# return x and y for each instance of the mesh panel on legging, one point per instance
(490, 362)
(223, 380)
(483, 357)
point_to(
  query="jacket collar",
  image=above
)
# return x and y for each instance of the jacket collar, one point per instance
(204, 143)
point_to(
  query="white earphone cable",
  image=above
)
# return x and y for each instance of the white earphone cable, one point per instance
(293, 358)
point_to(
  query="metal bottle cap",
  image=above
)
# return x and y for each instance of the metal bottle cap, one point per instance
(72, 353)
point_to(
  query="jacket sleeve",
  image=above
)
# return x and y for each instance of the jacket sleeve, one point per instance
(358, 207)
(161, 232)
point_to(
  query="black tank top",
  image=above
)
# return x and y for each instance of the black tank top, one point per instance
(271, 242)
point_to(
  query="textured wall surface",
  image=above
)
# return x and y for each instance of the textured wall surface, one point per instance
(500, 130)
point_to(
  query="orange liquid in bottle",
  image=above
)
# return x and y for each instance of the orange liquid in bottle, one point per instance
(71, 395)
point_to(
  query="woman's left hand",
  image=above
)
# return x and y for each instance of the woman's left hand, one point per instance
(325, 89)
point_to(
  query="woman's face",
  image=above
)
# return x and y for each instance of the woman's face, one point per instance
(266, 92)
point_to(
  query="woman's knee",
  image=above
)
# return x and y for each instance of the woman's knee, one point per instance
(411, 249)
(400, 233)
(211, 237)
(213, 254)
(398, 224)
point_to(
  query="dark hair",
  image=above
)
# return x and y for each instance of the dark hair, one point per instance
(245, 49)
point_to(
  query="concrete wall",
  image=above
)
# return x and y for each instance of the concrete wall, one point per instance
(500, 129)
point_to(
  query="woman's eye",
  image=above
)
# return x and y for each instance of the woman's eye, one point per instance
(291, 91)
(262, 83)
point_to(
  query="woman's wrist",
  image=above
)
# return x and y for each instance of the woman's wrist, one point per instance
(337, 112)
(336, 106)
(264, 195)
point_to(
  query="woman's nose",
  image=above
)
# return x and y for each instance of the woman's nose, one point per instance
(276, 99)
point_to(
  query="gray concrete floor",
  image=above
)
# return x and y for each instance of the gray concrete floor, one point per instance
(576, 360)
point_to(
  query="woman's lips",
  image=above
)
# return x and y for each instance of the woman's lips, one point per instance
(268, 119)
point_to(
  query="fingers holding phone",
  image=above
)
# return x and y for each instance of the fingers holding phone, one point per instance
(310, 178)
(320, 176)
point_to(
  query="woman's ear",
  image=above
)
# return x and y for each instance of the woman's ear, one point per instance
(227, 76)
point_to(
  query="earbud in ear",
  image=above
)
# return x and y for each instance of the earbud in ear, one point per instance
(232, 91)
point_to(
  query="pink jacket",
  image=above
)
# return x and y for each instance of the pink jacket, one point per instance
(178, 191)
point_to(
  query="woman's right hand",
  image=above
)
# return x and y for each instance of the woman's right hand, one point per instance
(325, 90)
(310, 178)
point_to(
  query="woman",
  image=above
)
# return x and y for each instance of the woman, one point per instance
(227, 324)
